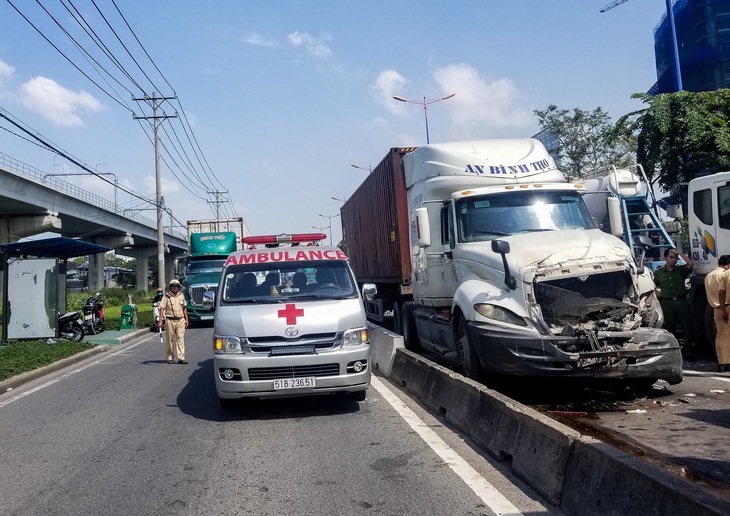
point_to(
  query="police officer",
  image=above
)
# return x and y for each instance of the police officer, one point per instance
(717, 287)
(672, 292)
(174, 307)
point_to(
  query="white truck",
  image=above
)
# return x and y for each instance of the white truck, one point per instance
(708, 200)
(507, 272)
(622, 202)
(209, 244)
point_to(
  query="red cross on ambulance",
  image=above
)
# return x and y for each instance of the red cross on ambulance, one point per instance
(291, 313)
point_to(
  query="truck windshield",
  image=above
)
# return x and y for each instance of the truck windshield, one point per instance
(484, 217)
(203, 266)
(282, 281)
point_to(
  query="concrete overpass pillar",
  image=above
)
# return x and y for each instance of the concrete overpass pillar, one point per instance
(142, 256)
(170, 272)
(15, 227)
(96, 279)
(96, 272)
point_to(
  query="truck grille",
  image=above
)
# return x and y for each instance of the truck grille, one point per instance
(196, 293)
(273, 373)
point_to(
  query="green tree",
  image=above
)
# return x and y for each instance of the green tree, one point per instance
(682, 135)
(587, 140)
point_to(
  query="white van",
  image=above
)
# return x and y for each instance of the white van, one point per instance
(289, 321)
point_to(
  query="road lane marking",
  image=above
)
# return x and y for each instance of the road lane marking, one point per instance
(493, 499)
(70, 373)
(707, 375)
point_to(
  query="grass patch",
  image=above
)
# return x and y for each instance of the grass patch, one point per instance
(23, 356)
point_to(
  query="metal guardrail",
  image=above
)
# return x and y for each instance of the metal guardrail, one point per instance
(17, 167)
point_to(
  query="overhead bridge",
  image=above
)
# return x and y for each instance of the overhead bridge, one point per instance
(32, 202)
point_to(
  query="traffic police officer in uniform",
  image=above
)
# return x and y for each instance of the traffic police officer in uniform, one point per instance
(174, 308)
(672, 292)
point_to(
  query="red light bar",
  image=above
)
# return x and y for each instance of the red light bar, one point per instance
(284, 238)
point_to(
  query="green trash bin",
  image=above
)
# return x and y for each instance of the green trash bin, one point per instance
(128, 319)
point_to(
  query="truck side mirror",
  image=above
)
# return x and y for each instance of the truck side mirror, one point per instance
(641, 243)
(369, 291)
(502, 247)
(614, 216)
(423, 228)
(208, 300)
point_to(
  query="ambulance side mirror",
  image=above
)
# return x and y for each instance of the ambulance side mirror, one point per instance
(208, 300)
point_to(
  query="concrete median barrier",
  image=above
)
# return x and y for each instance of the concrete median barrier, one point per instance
(577, 473)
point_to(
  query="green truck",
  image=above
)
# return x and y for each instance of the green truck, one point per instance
(210, 242)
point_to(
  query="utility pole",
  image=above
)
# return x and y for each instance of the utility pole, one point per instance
(218, 201)
(158, 183)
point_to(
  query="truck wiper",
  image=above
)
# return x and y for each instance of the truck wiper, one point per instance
(491, 232)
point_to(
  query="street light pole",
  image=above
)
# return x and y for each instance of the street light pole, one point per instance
(425, 104)
(369, 169)
(338, 199)
(330, 217)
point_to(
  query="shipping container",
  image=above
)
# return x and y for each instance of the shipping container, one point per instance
(375, 224)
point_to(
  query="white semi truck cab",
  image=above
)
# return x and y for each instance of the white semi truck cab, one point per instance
(510, 274)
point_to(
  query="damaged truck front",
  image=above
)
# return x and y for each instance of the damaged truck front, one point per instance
(510, 274)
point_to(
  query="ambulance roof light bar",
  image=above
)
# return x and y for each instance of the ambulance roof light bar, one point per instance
(274, 240)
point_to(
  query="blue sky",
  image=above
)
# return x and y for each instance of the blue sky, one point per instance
(282, 97)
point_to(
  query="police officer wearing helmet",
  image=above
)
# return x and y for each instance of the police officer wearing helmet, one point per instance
(174, 307)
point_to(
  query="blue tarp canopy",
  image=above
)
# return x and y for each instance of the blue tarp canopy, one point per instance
(59, 247)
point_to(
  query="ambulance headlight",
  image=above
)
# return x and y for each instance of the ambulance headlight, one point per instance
(227, 345)
(356, 337)
(497, 313)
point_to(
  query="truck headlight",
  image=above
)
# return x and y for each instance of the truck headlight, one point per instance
(227, 345)
(498, 313)
(356, 337)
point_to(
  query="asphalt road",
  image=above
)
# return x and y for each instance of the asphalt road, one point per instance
(126, 433)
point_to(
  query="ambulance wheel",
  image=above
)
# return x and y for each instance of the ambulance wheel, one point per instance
(469, 362)
(357, 396)
(227, 404)
(408, 327)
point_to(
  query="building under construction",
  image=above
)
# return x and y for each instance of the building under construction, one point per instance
(703, 40)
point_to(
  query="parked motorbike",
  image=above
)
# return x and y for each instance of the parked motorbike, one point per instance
(156, 310)
(94, 314)
(71, 327)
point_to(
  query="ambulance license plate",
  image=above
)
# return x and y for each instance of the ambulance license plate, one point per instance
(294, 383)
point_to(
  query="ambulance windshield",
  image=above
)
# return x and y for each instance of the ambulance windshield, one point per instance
(275, 282)
(484, 217)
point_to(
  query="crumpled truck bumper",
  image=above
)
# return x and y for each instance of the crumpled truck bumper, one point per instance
(647, 353)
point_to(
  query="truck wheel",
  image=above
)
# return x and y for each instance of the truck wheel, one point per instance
(398, 318)
(469, 362)
(408, 327)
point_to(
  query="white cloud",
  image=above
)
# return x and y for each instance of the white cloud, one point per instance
(60, 105)
(5, 70)
(258, 40)
(315, 47)
(481, 107)
(388, 84)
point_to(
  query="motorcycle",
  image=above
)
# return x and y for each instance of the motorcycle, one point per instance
(70, 326)
(94, 314)
(156, 310)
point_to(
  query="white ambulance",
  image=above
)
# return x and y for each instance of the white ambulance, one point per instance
(289, 321)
